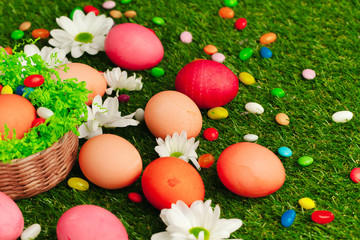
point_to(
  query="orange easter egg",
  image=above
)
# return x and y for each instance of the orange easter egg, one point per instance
(250, 170)
(168, 112)
(95, 82)
(17, 113)
(110, 161)
(268, 38)
(169, 179)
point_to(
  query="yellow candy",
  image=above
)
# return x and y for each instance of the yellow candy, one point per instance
(217, 113)
(307, 203)
(7, 90)
(246, 78)
(78, 184)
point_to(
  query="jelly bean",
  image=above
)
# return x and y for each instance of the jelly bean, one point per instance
(306, 203)
(250, 137)
(342, 116)
(206, 160)
(125, 1)
(115, 14)
(7, 90)
(240, 24)
(210, 49)
(37, 122)
(157, 72)
(89, 8)
(282, 119)
(322, 216)
(186, 37)
(8, 50)
(308, 74)
(305, 161)
(218, 57)
(265, 52)
(139, 114)
(268, 38)
(44, 112)
(278, 92)
(285, 151)
(20, 90)
(1, 87)
(31, 232)
(17, 34)
(40, 33)
(288, 217)
(211, 134)
(226, 12)
(158, 20)
(27, 92)
(246, 78)
(123, 98)
(230, 3)
(78, 184)
(246, 53)
(109, 4)
(34, 80)
(130, 14)
(135, 197)
(25, 26)
(217, 113)
(73, 11)
(253, 107)
(355, 175)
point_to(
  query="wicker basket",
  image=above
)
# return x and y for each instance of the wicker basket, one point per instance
(26, 177)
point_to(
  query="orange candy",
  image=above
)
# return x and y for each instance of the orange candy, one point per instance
(210, 49)
(40, 33)
(268, 38)
(8, 50)
(206, 160)
(226, 12)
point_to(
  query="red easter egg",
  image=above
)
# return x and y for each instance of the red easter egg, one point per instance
(133, 47)
(169, 179)
(250, 170)
(208, 83)
(34, 80)
(322, 216)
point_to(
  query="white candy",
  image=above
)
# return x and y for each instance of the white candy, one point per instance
(342, 116)
(254, 108)
(44, 112)
(139, 114)
(251, 137)
(31, 232)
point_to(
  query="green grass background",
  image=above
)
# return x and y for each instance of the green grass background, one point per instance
(322, 35)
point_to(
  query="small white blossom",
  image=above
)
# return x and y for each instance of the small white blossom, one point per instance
(119, 80)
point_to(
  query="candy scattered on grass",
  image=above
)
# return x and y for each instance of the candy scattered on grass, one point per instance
(240, 24)
(17, 34)
(288, 217)
(265, 52)
(306, 203)
(139, 114)
(71, 15)
(78, 184)
(211, 134)
(230, 3)
(342, 116)
(278, 92)
(125, 1)
(355, 175)
(268, 38)
(309, 74)
(250, 137)
(123, 98)
(109, 4)
(31, 232)
(115, 14)
(89, 8)
(40, 33)
(186, 37)
(246, 78)
(285, 151)
(246, 53)
(25, 26)
(206, 160)
(217, 113)
(135, 197)
(210, 49)
(158, 20)
(282, 119)
(305, 161)
(130, 14)
(253, 107)
(218, 57)
(322, 216)
(157, 72)
(226, 12)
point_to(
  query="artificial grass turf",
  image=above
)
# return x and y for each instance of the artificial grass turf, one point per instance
(321, 35)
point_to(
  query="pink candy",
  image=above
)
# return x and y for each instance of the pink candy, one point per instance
(109, 4)
(218, 57)
(309, 74)
(186, 37)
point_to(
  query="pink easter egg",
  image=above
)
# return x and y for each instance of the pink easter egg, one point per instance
(133, 47)
(11, 218)
(90, 222)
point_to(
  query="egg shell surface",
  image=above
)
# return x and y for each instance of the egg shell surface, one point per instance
(133, 47)
(168, 112)
(110, 161)
(17, 113)
(11, 218)
(90, 222)
(208, 83)
(250, 170)
(168, 179)
(95, 82)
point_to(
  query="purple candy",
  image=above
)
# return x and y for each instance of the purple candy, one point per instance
(123, 98)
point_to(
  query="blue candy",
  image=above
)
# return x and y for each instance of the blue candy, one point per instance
(265, 52)
(288, 218)
(27, 91)
(20, 90)
(284, 151)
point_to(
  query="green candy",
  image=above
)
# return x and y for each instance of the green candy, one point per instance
(17, 34)
(278, 92)
(73, 11)
(246, 53)
(125, 1)
(305, 161)
(230, 3)
(158, 20)
(157, 72)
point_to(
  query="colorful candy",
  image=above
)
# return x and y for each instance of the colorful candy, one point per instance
(322, 216)
(17, 34)
(135, 197)
(282, 119)
(278, 92)
(89, 8)
(130, 14)
(25, 26)
(306, 203)
(230, 3)
(139, 114)
(44, 112)
(211, 134)
(115, 14)
(288, 218)
(218, 57)
(210, 49)
(305, 161)
(34, 80)
(253, 107)
(6, 90)
(40, 33)
(123, 98)
(20, 90)
(246, 53)
(342, 116)
(226, 12)
(73, 11)
(268, 38)
(158, 20)
(125, 1)
(157, 72)
(109, 4)
(240, 24)
(78, 184)
(186, 37)
(37, 122)
(206, 160)
(285, 152)
(31, 232)
(27, 92)
(355, 175)
(8, 50)
(250, 137)
(308, 74)
(246, 78)
(217, 113)
(265, 52)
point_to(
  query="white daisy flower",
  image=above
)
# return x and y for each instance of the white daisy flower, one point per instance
(85, 33)
(118, 80)
(178, 146)
(52, 56)
(198, 221)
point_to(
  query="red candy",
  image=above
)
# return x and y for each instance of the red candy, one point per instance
(240, 24)
(89, 8)
(135, 197)
(1, 87)
(355, 175)
(322, 216)
(35, 80)
(206, 160)
(37, 122)
(211, 134)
